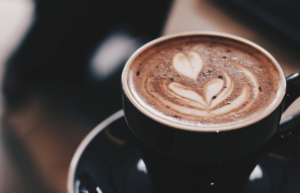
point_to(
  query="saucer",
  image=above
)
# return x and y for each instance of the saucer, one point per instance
(107, 161)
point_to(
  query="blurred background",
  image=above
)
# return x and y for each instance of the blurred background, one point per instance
(61, 63)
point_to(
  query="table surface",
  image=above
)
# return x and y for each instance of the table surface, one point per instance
(37, 141)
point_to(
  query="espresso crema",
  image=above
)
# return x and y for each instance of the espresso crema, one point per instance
(203, 81)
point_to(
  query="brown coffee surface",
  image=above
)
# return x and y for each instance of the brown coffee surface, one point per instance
(203, 80)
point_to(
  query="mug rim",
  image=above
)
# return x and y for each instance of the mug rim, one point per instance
(273, 106)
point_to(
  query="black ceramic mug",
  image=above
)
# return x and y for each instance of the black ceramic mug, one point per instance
(182, 159)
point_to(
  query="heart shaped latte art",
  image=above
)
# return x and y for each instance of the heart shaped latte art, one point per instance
(181, 91)
(189, 65)
(211, 89)
(214, 92)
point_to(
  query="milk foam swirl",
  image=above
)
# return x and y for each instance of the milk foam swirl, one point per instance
(220, 97)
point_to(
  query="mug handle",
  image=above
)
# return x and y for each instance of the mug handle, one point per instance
(288, 127)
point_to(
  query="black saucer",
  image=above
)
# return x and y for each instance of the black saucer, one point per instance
(107, 161)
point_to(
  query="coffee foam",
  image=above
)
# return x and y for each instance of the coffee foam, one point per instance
(203, 81)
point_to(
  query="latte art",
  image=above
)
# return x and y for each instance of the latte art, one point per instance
(188, 102)
(189, 65)
(202, 82)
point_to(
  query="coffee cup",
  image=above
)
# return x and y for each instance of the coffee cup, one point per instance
(204, 108)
